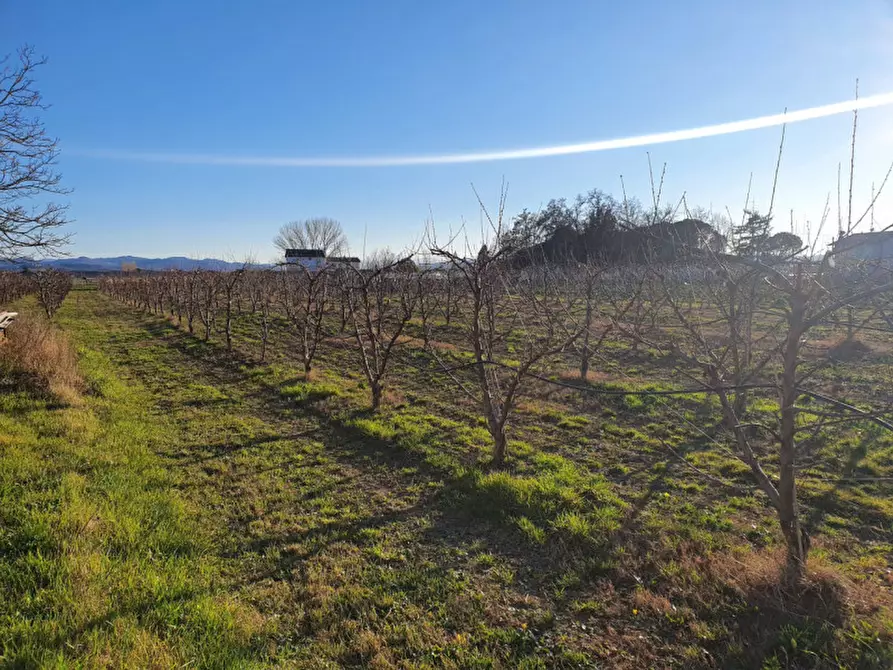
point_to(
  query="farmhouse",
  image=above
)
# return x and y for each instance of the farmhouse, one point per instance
(865, 246)
(314, 260)
(343, 262)
(309, 259)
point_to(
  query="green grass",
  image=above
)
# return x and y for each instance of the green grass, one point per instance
(197, 508)
(101, 560)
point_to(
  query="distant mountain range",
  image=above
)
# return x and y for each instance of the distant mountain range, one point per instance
(115, 263)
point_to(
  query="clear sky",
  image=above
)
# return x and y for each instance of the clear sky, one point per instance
(334, 79)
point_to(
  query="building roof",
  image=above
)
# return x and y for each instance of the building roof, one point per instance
(858, 239)
(866, 246)
(305, 253)
(868, 237)
(343, 259)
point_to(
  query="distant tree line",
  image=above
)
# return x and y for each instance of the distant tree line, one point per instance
(13, 285)
(595, 227)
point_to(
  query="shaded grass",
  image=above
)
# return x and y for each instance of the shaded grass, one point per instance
(327, 536)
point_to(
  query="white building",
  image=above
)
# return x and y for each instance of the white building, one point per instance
(311, 260)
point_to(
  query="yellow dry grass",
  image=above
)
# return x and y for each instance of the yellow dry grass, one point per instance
(39, 354)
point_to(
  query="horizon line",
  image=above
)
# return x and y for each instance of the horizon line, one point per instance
(666, 137)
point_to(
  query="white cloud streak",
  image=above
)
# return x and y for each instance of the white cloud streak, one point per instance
(509, 154)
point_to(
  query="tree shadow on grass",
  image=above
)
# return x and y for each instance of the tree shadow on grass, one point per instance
(318, 538)
(466, 505)
(460, 514)
(220, 450)
(873, 525)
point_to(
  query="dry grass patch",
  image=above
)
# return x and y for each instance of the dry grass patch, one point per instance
(37, 354)
(824, 592)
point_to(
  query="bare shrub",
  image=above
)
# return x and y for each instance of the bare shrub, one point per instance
(51, 287)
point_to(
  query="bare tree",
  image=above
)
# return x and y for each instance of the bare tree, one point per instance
(304, 297)
(261, 285)
(191, 285)
(231, 283)
(381, 302)
(380, 258)
(744, 333)
(453, 294)
(209, 286)
(317, 233)
(430, 285)
(528, 308)
(27, 165)
(594, 333)
(51, 287)
(178, 295)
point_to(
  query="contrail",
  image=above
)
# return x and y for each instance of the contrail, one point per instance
(509, 154)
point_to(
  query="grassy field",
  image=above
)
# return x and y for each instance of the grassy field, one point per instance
(194, 507)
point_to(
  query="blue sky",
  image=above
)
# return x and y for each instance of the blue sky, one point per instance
(291, 79)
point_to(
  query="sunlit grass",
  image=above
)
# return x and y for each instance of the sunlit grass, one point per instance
(198, 508)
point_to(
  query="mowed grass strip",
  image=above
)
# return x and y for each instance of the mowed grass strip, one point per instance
(343, 548)
(102, 561)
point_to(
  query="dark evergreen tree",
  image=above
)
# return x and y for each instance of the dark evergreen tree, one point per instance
(750, 239)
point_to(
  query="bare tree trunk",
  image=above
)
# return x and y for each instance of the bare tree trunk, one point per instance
(586, 354)
(376, 394)
(497, 432)
(229, 326)
(264, 335)
(787, 486)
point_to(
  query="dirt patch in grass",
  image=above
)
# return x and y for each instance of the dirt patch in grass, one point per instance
(849, 350)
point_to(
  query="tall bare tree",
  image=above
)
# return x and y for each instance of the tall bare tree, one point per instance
(28, 176)
(529, 307)
(381, 303)
(304, 297)
(316, 233)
